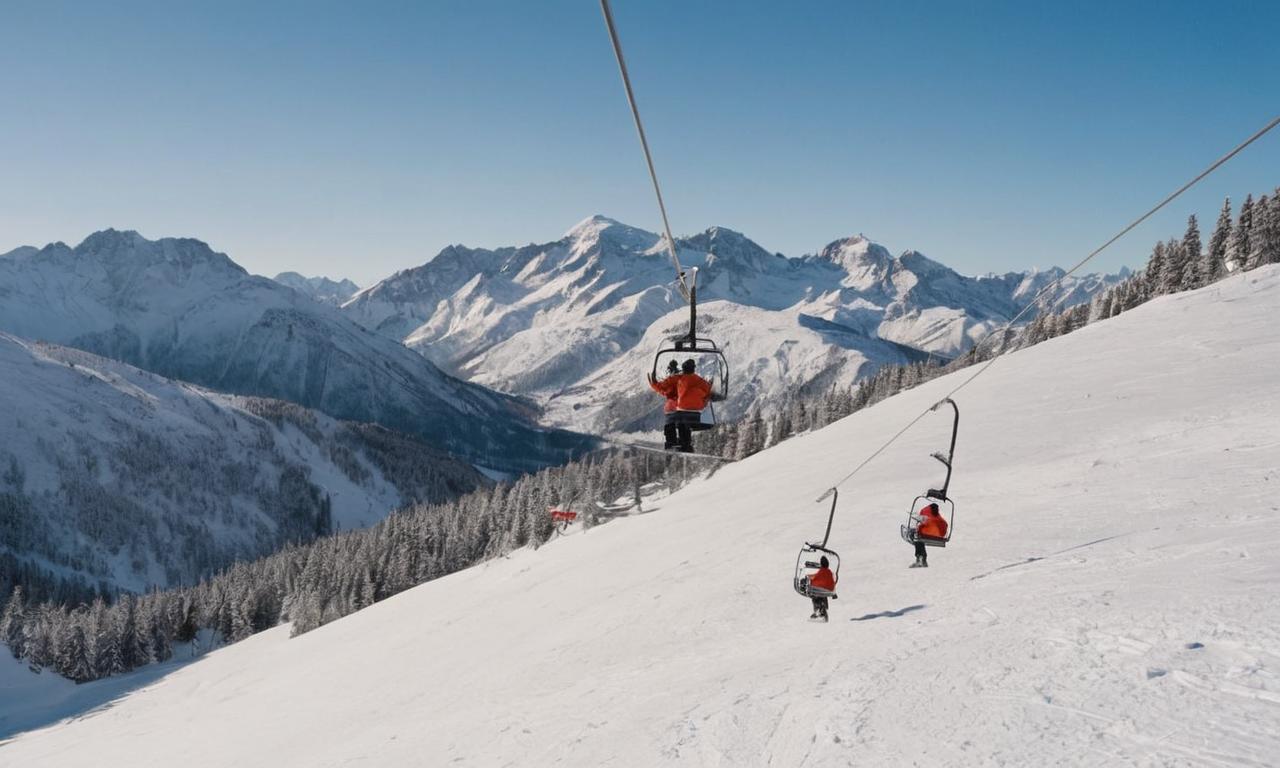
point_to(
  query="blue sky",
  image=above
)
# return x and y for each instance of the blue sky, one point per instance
(356, 139)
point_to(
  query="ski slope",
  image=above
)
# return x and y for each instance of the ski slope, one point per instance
(1109, 598)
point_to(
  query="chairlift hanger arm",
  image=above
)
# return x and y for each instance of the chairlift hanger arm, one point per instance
(951, 452)
(831, 516)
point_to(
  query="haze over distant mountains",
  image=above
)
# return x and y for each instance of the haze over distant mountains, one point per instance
(574, 323)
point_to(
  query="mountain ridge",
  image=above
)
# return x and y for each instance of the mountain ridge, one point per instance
(185, 311)
(555, 320)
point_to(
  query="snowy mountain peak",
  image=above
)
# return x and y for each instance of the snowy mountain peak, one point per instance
(110, 239)
(117, 249)
(866, 262)
(921, 265)
(855, 252)
(591, 226)
(601, 230)
(729, 250)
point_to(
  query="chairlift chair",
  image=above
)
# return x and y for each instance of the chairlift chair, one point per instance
(706, 354)
(561, 519)
(711, 365)
(908, 529)
(807, 561)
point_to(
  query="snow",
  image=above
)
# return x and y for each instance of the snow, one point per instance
(66, 411)
(1108, 598)
(33, 700)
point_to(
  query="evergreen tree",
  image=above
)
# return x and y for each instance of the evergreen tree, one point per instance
(1215, 260)
(1258, 233)
(1191, 248)
(1175, 259)
(1155, 270)
(1239, 248)
(1267, 230)
(11, 623)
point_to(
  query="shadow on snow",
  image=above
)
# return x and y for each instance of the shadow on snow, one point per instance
(890, 614)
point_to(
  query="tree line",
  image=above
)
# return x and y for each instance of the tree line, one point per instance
(311, 584)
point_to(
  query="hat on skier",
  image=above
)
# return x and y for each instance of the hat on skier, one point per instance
(688, 366)
(673, 367)
(823, 561)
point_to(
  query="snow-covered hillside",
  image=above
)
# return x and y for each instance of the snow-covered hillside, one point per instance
(570, 322)
(177, 308)
(1108, 598)
(112, 474)
(322, 289)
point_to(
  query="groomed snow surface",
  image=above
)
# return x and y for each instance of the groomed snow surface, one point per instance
(1109, 598)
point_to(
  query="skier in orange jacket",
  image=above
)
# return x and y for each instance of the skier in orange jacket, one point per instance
(690, 393)
(931, 525)
(673, 369)
(822, 579)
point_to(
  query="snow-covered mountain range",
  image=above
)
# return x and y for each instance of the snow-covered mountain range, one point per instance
(322, 289)
(574, 323)
(1108, 598)
(112, 474)
(177, 308)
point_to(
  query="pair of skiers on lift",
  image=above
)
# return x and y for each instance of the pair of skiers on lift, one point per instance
(686, 395)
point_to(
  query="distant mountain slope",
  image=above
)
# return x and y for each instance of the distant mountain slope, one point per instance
(175, 307)
(578, 315)
(110, 473)
(322, 289)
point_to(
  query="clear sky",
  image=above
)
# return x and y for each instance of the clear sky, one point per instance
(354, 139)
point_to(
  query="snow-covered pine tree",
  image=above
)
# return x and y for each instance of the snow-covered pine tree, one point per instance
(1257, 233)
(1239, 248)
(1215, 260)
(1175, 258)
(1266, 226)
(135, 650)
(1191, 277)
(1154, 274)
(73, 660)
(11, 622)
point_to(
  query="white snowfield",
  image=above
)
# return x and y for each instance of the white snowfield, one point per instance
(1109, 598)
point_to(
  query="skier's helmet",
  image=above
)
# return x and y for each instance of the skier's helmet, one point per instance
(673, 367)
(823, 561)
(688, 366)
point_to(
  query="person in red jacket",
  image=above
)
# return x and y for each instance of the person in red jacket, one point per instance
(670, 436)
(825, 580)
(930, 524)
(690, 392)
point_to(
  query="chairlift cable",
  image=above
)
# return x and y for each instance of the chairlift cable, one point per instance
(1035, 299)
(644, 144)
